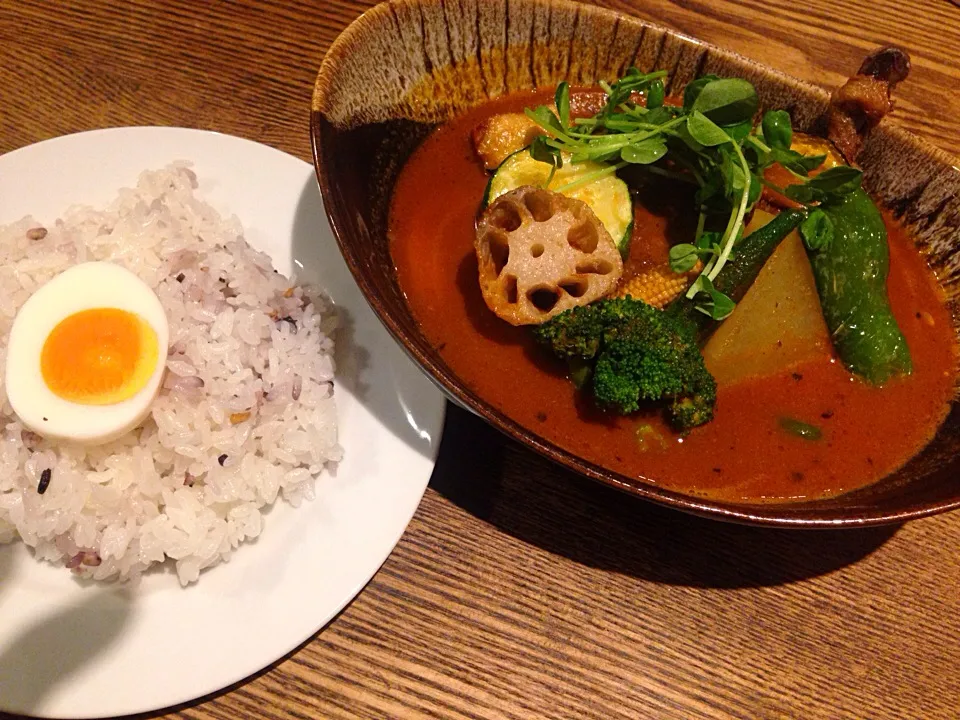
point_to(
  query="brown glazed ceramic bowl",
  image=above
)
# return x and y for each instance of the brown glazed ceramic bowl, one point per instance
(407, 65)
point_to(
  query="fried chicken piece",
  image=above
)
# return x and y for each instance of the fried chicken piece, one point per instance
(859, 104)
(500, 136)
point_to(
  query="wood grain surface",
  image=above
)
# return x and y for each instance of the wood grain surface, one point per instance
(520, 590)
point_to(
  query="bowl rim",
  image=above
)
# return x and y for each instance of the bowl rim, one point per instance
(774, 514)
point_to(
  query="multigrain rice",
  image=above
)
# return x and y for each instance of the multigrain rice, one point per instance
(245, 414)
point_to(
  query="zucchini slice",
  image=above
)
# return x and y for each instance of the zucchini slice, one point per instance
(607, 196)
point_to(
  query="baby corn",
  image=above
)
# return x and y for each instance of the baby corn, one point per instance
(658, 285)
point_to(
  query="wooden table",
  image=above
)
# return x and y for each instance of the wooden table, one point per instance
(520, 590)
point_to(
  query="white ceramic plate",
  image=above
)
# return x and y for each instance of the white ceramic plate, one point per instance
(76, 650)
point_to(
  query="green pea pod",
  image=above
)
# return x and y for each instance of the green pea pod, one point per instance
(851, 276)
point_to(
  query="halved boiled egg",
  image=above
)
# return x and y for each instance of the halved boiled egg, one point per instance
(86, 354)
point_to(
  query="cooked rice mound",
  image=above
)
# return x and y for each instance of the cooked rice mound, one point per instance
(246, 411)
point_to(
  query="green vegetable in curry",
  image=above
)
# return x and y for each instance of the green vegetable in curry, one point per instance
(850, 265)
(638, 354)
(801, 429)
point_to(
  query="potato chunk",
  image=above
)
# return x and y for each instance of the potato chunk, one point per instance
(776, 326)
(540, 253)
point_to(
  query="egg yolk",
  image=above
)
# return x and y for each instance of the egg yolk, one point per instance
(99, 356)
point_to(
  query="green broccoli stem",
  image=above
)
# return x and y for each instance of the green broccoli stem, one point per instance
(736, 277)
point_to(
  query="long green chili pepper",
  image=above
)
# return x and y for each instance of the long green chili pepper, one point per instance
(851, 275)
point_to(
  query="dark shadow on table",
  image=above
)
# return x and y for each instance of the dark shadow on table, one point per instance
(564, 513)
(47, 652)
(407, 396)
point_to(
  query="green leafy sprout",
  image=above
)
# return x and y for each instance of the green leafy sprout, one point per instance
(817, 230)
(710, 141)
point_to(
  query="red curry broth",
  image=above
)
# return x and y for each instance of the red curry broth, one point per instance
(743, 455)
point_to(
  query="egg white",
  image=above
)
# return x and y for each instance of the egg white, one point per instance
(82, 287)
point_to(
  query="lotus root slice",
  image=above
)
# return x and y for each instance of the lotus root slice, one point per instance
(540, 253)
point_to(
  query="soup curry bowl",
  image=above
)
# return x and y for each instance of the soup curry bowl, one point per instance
(407, 67)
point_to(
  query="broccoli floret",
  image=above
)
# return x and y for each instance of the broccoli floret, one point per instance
(639, 354)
